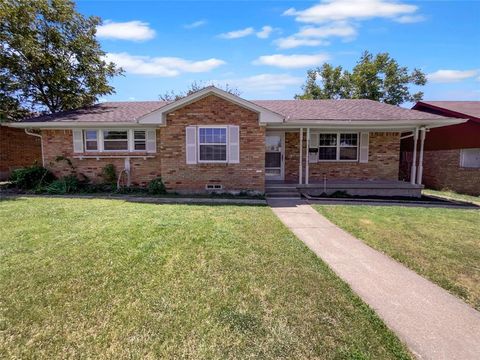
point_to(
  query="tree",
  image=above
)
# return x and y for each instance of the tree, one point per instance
(194, 87)
(50, 59)
(377, 78)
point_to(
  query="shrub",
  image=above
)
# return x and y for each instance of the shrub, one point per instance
(66, 185)
(109, 174)
(156, 187)
(32, 177)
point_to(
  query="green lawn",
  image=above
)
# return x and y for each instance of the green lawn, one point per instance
(441, 244)
(453, 196)
(84, 278)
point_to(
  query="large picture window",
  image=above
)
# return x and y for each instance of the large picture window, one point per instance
(338, 147)
(212, 144)
(115, 140)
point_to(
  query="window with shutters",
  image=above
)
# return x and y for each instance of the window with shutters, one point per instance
(212, 144)
(338, 147)
(90, 138)
(470, 158)
(116, 140)
(139, 140)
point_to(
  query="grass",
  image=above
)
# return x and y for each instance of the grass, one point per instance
(113, 279)
(441, 244)
(453, 196)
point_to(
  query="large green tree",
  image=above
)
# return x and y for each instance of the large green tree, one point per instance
(377, 77)
(50, 59)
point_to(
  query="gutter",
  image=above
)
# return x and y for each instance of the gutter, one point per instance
(41, 143)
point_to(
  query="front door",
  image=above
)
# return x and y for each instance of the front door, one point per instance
(274, 156)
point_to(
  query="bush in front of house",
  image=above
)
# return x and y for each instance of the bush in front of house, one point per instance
(65, 185)
(156, 187)
(109, 174)
(32, 177)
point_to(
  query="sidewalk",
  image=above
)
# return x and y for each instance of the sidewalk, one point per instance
(433, 323)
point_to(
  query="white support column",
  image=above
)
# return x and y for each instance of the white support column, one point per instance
(306, 156)
(420, 156)
(300, 163)
(413, 172)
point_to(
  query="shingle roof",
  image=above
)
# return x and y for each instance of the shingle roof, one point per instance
(348, 110)
(127, 111)
(351, 109)
(469, 108)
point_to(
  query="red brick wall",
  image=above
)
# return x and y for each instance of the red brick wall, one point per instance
(169, 161)
(383, 160)
(441, 170)
(247, 175)
(17, 150)
(59, 143)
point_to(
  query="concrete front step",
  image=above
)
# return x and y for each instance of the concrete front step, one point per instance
(283, 194)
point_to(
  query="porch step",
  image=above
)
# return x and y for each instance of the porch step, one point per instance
(281, 191)
(283, 194)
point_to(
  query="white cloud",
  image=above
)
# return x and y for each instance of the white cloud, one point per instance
(340, 29)
(335, 10)
(264, 83)
(161, 66)
(314, 36)
(130, 30)
(448, 76)
(195, 24)
(410, 19)
(265, 32)
(291, 61)
(291, 42)
(238, 33)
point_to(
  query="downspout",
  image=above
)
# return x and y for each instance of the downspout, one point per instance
(41, 143)
(307, 155)
(420, 157)
(413, 172)
(300, 170)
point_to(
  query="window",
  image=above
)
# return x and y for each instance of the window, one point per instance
(139, 140)
(338, 147)
(91, 140)
(115, 140)
(470, 158)
(212, 144)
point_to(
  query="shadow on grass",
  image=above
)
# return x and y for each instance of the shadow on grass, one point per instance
(172, 200)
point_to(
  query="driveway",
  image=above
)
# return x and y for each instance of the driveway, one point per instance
(433, 323)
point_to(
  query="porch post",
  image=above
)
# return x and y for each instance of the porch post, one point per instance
(413, 172)
(306, 155)
(420, 157)
(300, 163)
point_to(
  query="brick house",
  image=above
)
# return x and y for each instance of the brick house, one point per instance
(17, 149)
(452, 153)
(214, 141)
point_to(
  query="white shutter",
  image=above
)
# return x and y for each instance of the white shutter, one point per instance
(313, 144)
(234, 144)
(364, 139)
(151, 137)
(191, 144)
(77, 140)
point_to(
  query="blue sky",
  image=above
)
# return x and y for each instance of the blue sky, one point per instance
(265, 47)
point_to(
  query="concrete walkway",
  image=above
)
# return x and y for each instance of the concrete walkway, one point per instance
(433, 323)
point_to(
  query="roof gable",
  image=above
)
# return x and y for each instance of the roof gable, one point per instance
(159, 116)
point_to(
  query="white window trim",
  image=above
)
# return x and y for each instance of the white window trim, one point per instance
(131, 137)
(338, 147)
(84, 136)
(101, 145)
(226, 144)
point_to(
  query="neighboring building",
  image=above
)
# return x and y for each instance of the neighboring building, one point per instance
(452, 153)
(17, 149)
(212, 140)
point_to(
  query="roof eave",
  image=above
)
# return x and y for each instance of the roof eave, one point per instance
(73, 125)
(159, 116)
